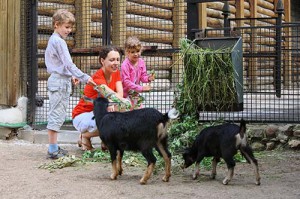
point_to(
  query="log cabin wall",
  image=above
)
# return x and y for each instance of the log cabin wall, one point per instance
(159, 24)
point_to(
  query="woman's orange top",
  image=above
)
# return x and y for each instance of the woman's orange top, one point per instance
(90, 92)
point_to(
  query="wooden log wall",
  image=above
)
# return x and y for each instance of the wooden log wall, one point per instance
(156, 23)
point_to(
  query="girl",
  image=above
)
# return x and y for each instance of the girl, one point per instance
(134, 70)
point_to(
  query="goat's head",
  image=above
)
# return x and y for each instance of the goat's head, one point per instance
(188, 157)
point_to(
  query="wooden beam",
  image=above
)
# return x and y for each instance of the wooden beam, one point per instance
(179, 33)
(202, 15)
(287, 10)
(83, 32)
(253, 47)
(240, 12)
(119, 22)
(3, 51)
(287, 56)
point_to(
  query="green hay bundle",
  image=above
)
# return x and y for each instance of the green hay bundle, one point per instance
(208, 79)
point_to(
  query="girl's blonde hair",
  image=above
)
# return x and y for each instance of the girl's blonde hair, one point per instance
(133, 43)
(63, 16)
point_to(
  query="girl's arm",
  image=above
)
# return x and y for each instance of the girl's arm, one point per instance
(144, 76)
(126, 79)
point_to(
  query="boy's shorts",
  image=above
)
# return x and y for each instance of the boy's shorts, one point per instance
(85, 122)
(59, 90)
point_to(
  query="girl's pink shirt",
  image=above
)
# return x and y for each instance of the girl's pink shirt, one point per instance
(133, 76)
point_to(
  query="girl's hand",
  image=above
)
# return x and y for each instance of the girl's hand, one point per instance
(146, 88)
(151, 77)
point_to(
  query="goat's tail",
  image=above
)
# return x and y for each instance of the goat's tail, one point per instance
(171, 114)
(242, 128)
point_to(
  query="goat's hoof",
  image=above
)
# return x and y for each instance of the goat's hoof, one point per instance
(225, 182)
(166, 178)
(113, 176)
(213, 176)
(120, 172)
(195, 177)
(257, 183)
(143, 182)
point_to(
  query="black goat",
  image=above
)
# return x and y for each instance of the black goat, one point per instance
(222, 141)
(137, 130)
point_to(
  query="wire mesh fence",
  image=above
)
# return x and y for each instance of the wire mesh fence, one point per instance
(160, 25)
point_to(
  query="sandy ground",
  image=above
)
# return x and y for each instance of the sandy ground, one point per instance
(20, 177)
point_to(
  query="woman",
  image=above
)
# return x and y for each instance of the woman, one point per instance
(107, 77)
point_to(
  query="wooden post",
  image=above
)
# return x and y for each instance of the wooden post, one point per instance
(179, 33)
(9, 51)
(287, 55)
(253, 47)
(83, 32)
(119, 22)
(202, 18)
(240, 7)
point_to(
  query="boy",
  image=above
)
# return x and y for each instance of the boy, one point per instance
(62, 69)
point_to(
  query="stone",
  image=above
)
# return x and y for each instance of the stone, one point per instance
(287, 129)
(256, 133)
(6, 133)
(270, 146)
(296, 133)
(294, 144)
(271, 131)
(282, 138)
(257, 146)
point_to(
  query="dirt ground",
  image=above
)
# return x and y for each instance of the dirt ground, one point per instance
(20, 177)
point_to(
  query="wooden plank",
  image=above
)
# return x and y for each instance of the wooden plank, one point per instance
(165, 4)
(220, 5)
(10, 50)
(149, 23)
(266, 5)
(48, 9)
(69, 2)
(145, 10)
(151, 35)
(3, 51)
